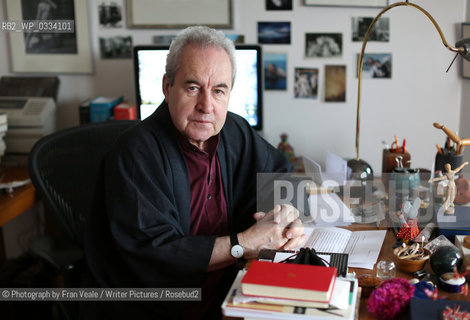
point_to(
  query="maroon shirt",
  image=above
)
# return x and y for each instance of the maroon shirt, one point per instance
(208, 206)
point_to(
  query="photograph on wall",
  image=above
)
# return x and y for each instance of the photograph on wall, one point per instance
(376, 65)
(275, 71)
(110, 14)
(380, 32)
(274, 32)
(278, 4)
(163, 40)
(117, 47)
(306, 83)
(236, 38)
(323, 45)
(54, 42)
(335, 83)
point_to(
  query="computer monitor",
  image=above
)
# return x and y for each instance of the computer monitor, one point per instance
(246, 98)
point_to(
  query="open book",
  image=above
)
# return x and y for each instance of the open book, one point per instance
(362, 246)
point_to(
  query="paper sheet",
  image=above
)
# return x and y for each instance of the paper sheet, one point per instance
(363, 247)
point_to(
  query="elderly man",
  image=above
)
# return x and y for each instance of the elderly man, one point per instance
(177, 195)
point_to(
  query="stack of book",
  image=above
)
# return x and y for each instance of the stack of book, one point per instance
(106, 108)
(290, 291)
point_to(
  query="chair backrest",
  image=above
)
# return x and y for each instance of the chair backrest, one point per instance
(63, 167)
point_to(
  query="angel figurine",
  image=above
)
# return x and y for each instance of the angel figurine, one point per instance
(448, 205)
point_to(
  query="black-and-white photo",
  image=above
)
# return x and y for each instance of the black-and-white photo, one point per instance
(116, 47)
(380, 32)
(53, 42)
(323, 45)
(110, 14)
(278, 4)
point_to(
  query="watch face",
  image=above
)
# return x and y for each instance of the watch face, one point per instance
(237, 251)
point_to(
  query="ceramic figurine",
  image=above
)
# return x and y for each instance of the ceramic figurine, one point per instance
(285, 148)
(409, 220)
(448, 205)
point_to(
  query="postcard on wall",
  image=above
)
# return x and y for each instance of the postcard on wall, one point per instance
(335, 83)
(117, 47)
(323, 45)
(376, 65)
(275, 71)
(380, 32)
(306, 83)
(278, 5)
(274, 32)
(110, 14)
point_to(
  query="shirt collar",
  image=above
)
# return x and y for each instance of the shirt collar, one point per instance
(212, 144)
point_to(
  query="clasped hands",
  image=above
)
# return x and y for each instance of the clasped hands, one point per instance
(279, 229)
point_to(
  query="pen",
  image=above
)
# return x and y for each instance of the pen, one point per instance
(404, 146)
(439, 149)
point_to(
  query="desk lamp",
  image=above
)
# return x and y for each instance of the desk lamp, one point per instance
(360, 169)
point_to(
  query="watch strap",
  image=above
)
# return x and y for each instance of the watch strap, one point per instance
(233, 242)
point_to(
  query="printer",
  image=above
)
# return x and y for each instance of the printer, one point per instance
(29, 119)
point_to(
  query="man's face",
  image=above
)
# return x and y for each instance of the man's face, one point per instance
(198, 99)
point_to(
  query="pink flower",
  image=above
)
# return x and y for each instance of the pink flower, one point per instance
(390, 298)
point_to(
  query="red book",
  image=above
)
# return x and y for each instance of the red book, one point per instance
(125, 111)
(289, 281)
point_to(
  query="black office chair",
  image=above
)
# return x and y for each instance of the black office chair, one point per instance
(63, 167)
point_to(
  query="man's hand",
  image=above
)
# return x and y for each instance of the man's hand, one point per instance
(279, 229)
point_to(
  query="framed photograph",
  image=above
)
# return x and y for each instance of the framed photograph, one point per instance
(323, 45)
(275, 71)
(306, 83)
(55, 52)
(380, 32)
(465, 65)
(335, 83)
(348, 3)
(274, 32)
(376, 65)
(171, 14)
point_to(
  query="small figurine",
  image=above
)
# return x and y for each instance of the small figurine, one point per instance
(285, 148)
(448, 204)
(409, 221)
(463, 190)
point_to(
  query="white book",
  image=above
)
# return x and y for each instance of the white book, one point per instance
(363, 246)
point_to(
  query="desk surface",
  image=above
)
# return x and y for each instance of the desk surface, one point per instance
(385, 254)
(21, 199)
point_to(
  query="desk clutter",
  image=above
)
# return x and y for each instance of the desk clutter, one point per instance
(106, 108)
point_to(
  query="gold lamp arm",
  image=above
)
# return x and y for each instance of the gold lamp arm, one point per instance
(460, 50)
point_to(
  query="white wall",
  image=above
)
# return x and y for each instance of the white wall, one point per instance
(419, 93)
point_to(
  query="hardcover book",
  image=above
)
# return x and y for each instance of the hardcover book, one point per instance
(289, 281)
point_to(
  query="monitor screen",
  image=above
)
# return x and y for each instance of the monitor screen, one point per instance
(246, 96)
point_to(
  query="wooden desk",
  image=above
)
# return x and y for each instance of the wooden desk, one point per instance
(385, 254)
(15, 203)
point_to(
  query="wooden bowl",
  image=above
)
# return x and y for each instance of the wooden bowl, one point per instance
(411, 265)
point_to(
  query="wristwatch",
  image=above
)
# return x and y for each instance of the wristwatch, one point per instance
(237, 250)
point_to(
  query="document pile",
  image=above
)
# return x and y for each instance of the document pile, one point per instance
(341, 304)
